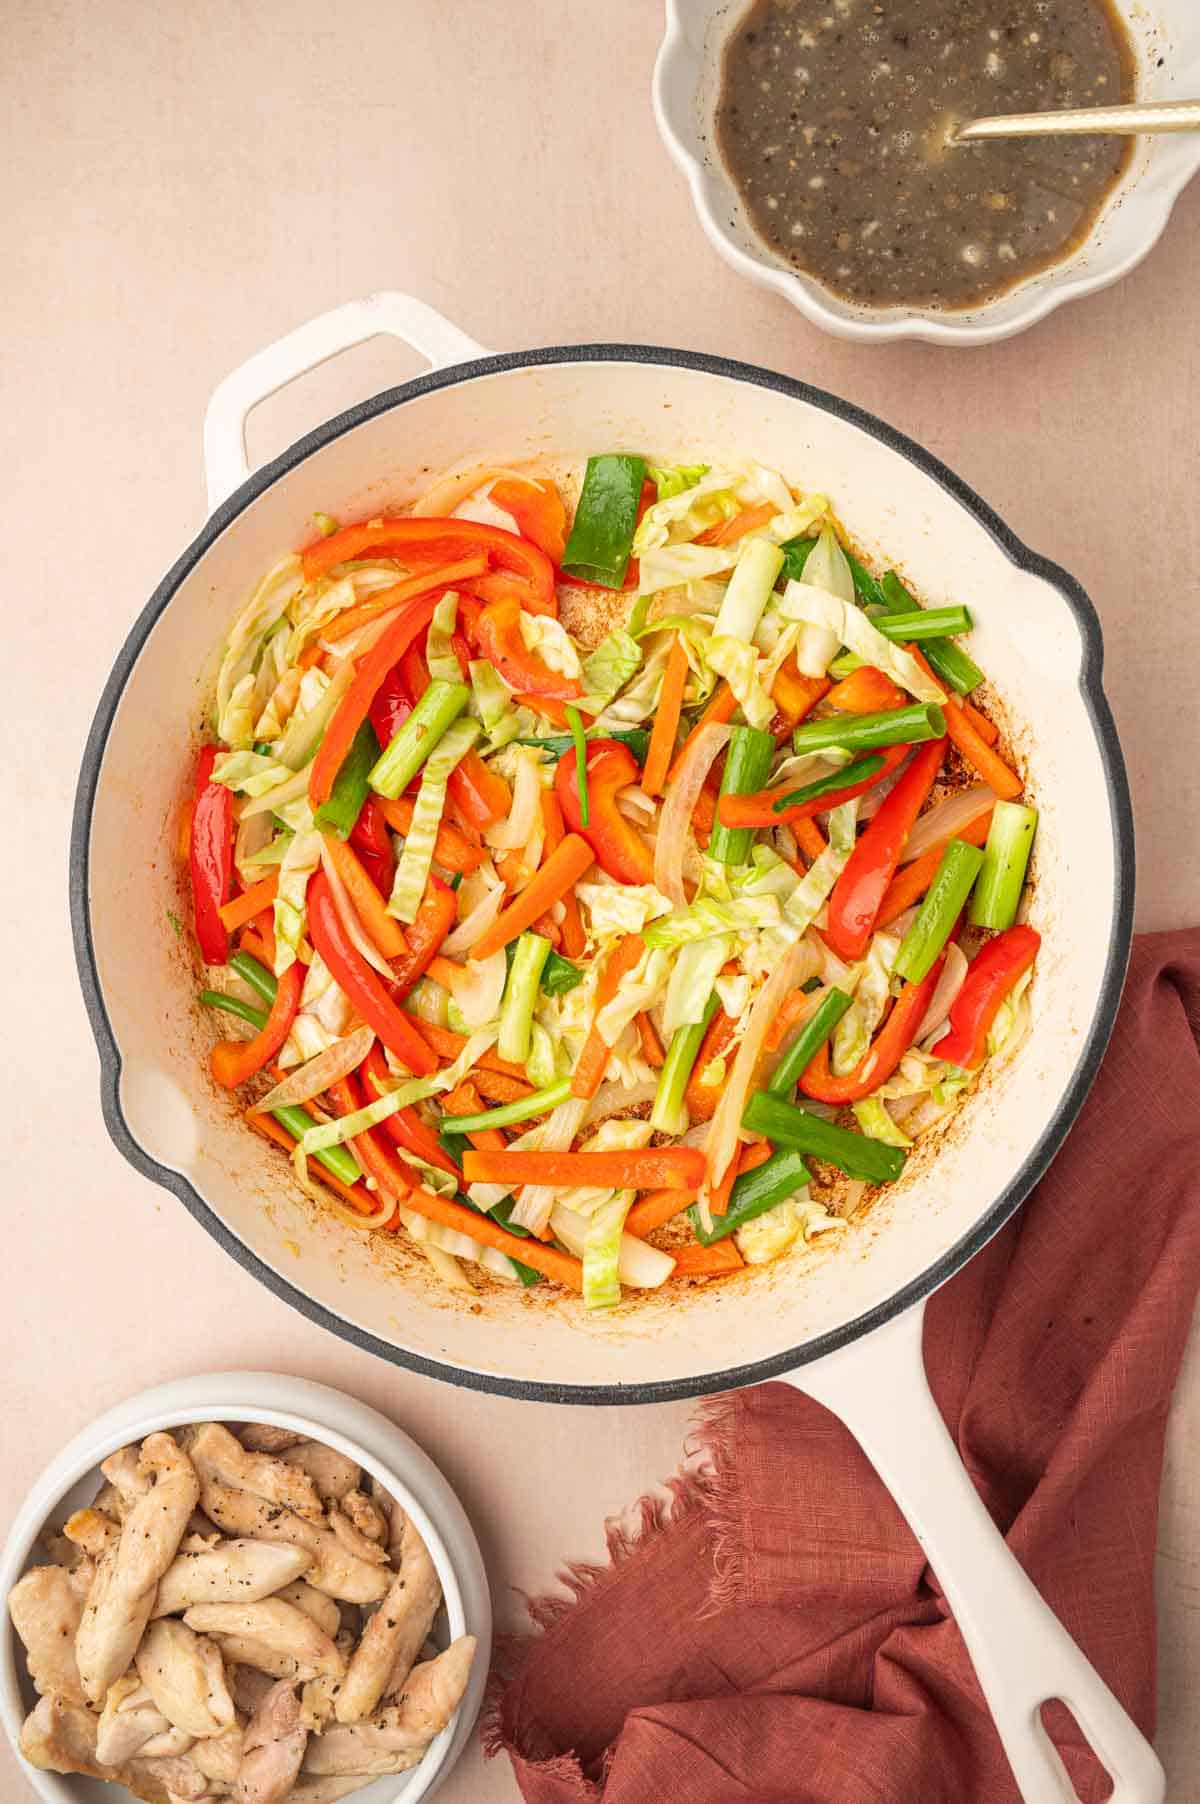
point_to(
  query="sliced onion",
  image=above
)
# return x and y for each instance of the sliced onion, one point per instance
(873, 799)
(535, 1201)
(517, 827)
(350, 921)
(293, 789)
(317, 1074)
(950, 982)
(454, 487)
(478, 992)
(634, 1267)
(329, 1199)
(616, 1099)
(797, 965)
(946, 818)
(474, 924)
(674, 840)
(635, 803)
(254, 832)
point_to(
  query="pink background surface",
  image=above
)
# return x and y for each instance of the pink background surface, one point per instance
(182, 185)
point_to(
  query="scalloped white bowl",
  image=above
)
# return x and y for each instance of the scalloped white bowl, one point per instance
(362, 1434)
(687, 76)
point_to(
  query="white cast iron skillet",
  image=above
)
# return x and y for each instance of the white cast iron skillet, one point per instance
(846, 1326)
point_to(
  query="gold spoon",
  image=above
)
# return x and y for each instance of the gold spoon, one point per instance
(1127, 121)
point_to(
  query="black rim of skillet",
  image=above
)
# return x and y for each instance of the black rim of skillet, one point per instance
(998, 1210)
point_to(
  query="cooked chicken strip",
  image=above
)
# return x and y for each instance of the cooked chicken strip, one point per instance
(334, 1570)
(215, 1451)
(109, 1502)
(395, 1634)
(396, 1737)
(231, 1572)
(123, 1471)
(46, 1609)
(219, 1757)
(122, 1594)
(280, 1630)
(92, 1531)
(354, 1542)
(264, 1437)
(132, 1722)
(182, 1781)
(185, 1675)
(333, 1474)
(320, 1694)
(275, 1743)
(60, 1737)
(366, 1516)
(247, 1685)
(323, 1610)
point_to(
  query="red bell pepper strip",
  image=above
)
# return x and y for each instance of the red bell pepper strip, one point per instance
(390, 706)
(233, 1061)
(538, 511)
(479, 793)
(371, 840)
(362, 987)
(884, 1053)
(370, 1147)
(405, 1128)
(210, 855)
(759, 810)
(519, 569)
(355, 705)
(619, 849)
(498, 633)
(990, 976)
(415, 670)
(435, 918)
(859, 891)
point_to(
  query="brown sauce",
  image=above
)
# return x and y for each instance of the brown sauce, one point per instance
(833, 120)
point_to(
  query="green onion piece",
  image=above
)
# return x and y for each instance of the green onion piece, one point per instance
(520, 997)
(939, 912)
(1005, 857)
(668, 1115)
(855, 772)
(950, 662)
(454, 1145)
(785, 1125)
(263, 748)
(579, 741)
(769, 1184)
(437, 710)
(539, 1103)
(796, 553)
(605, 520)
(872, 732)
(559, 975)
(234, 1005)
(872, 1117)
(257, 976)
(844, 665)
(866, 585)
(555, 744)
(350, 786)
(337, 1159)
(925, 623)
(808, 1042)
(746, 765)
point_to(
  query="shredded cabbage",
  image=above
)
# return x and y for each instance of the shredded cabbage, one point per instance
(615, 908)
(871, 985)
(299, 862)
(319, 699)
(641, 989)
(439, 651)
(245, 678)
(1010, 1017)
(602, 1250)
(693, 975)
(323, 1018)
(846, 624)
(672, 479)
(249, 773)
(491, 700)
(608, 669)
(551, 642)
(413, 866)
(872, 1117)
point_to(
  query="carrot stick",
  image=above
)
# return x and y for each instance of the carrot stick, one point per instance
(350, 619)
(589, 1067)
(264, 927)
(912, 880)
(722, 707)
(757, 1153)
(978, 753)
(748, 520)
(652, 1050)
(666, 719)
(644, 1168)
(547, 1260)
(451, 975)
(452, 849)
(497, 1086)
(810, 839)
(561, 872)
(385, 933)
(655, 1209)
(357, 1195)
(982, 725)
(253, 943)
(251, 902)
(573, 938)
(988, 731)
(447, 1044)
(706, 1262)
(466, 1100)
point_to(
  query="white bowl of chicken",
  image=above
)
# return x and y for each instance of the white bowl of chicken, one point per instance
(242, 1586)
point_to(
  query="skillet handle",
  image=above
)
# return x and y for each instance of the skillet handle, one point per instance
(226, 466)
(1022, 1654)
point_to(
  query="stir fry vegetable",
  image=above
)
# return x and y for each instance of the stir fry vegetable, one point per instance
(614, 950)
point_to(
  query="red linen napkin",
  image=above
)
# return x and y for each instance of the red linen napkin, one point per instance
(776, 1635)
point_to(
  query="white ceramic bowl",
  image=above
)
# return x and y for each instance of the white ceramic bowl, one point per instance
(362, 1434)
(1166, 41)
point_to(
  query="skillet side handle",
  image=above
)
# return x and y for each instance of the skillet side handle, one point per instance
(1022, 1654)
(401, 316)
